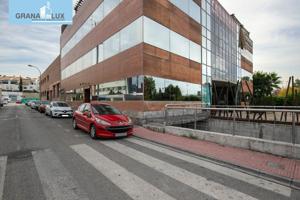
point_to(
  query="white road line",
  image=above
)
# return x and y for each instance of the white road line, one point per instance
(268, 185)
(3, 161)
(215, 190)
(56, 180)
(135, 187)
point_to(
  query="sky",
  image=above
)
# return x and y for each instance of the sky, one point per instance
(274, 27)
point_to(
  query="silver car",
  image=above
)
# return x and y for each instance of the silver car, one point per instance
(59, 109)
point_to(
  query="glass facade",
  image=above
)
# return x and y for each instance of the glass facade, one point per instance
(95, 18)
(147, 88)
(160, 89)
(120, 41)
(220, 53)
(141, 30)
(170, 40)
(122, 90)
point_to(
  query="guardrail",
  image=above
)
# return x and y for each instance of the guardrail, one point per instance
(259, 121)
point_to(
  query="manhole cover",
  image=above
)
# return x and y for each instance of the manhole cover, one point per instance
(275, 165)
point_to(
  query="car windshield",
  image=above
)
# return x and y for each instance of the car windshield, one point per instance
(105, 110)
(45, 102)
(60, 104)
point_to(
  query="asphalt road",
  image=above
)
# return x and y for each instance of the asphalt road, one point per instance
(44, 158)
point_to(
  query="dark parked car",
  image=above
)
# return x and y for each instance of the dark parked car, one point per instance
(42, 107)
(35, 104)
(102, 120)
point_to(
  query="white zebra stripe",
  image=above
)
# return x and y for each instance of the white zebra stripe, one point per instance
(3, 162)
(215, 190)
(57, 182)
(135, 187)
(265, 184)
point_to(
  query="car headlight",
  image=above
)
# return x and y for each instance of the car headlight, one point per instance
(102, 122)
(129, 120)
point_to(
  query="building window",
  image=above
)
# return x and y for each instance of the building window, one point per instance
(112, 46)
(179, 45)
(151, 36)
(132, 35)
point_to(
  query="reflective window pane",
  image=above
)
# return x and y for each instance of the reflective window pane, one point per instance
(156, 34)
(182, 5)
(112, 46)
(132, 35)
(109, 5)
(179, 45)
(100, 53)
(160, 89)
(195, 52)
(194, 11)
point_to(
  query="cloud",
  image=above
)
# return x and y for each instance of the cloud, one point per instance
(275, 30)
(274, 27)
(26, 44)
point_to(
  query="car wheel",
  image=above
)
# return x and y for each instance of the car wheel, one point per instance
(93, 132)
(74, 123)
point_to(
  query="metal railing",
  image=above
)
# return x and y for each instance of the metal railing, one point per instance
(265, 122)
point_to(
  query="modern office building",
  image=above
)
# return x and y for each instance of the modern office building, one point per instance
(143, 54)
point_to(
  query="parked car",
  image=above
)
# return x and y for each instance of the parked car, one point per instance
(28, 103)
(59, 109)
(102, 120)
(42, 107)
(35, 104)
(18, 102)
(5, 100)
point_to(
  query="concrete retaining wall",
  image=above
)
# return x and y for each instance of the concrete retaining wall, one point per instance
(266, 146)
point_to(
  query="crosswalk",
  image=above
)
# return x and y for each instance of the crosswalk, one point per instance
(3, 161)
(59, 184)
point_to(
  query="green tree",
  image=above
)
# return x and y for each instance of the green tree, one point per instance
(265, 83)
(149, 88)
(21, 84)
(173, 93)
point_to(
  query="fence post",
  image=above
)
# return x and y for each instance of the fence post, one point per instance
(293, 128)
(233, 132)
(195, 119)
(166, 116)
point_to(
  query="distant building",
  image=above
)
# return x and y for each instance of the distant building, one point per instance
(10, 86)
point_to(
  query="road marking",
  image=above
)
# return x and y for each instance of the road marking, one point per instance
(67, 130)
(215, 190)
(135, 187)
(3, 161)
(56, 180)
(58, 125)
(268, 185)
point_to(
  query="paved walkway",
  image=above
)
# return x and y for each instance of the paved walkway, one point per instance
(265, 163)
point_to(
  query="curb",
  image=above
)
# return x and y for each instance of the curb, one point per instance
(295, 184)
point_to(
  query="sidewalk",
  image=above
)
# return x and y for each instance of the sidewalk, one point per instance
(273, 166)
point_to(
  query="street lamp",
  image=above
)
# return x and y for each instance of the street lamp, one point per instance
(32, 66)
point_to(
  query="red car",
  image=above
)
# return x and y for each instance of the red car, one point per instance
(42, 107)
(102, 120)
